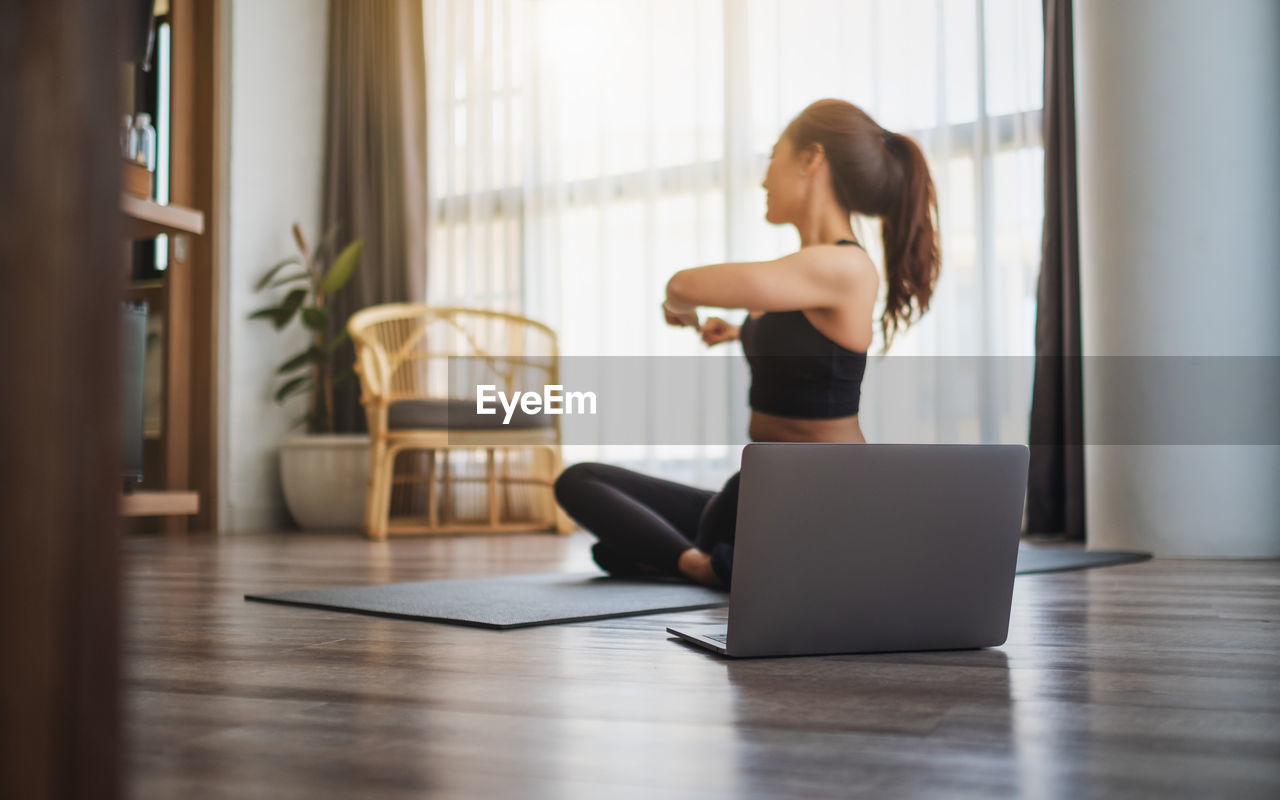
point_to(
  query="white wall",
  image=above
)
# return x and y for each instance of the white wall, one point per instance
(273, 110)
(1178, 121)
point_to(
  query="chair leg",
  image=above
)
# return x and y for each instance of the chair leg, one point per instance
(491, 484)
(378, 497)
(371, 486)
(446, 490)
(506, 482)
(562, 523)
(432, 514)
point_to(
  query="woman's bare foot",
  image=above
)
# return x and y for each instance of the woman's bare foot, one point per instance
(696, 565)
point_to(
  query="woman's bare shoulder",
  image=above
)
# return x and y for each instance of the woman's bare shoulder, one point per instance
(862, 267)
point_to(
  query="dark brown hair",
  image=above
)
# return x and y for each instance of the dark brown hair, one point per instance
(878, 173)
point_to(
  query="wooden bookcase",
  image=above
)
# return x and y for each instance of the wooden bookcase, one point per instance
(146, 219)
(182, 458)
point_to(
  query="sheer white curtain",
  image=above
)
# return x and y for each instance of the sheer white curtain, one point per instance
(582, 151)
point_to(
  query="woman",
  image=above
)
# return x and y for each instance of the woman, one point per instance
(806, 335)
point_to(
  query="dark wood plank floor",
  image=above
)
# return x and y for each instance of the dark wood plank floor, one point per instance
(1154, 679)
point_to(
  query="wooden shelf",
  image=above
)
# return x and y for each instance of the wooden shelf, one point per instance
(147, 219)
(159, 504)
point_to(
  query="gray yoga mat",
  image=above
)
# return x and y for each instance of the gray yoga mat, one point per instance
(1032, 559)
(514, 601)
(518, 601)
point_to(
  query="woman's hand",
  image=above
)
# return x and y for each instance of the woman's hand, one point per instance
(696, 565)
(715, 330)
(681, 314)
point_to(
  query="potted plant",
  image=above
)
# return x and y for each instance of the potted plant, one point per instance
(323, 474)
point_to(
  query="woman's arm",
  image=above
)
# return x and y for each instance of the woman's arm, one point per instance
(819, 276)
(681, 314)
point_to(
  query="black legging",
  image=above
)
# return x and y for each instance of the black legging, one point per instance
(643, 521)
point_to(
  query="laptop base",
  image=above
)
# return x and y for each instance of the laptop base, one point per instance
(702, 638)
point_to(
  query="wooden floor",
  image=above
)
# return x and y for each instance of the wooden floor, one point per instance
(1150, 680)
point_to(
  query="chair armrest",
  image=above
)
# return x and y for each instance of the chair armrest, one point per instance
(371, 365)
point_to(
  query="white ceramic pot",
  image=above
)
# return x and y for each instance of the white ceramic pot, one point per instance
(324, 478)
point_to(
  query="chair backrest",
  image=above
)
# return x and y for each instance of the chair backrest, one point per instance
(413, 351)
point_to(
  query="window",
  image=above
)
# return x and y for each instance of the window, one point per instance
(584, 150)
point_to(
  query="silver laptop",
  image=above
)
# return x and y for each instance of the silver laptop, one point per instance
(864, 548)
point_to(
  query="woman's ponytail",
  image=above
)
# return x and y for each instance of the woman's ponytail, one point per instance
(912, 252)
(878, 173)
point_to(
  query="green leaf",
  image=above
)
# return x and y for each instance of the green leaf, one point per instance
(266, 313)
(292, 302)
(346, 375)
(279, 265)
(326, 243)
(344, 266)
(302, 243)
(315, 317)
(292, 387)
(337, 341)
(312, 355)
(297, 276)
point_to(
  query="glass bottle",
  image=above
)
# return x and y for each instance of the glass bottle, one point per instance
(128, 143)
(145, 147)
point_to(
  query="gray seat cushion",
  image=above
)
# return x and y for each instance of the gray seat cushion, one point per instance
(457, 414)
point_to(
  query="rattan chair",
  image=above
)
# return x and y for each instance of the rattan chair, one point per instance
(418, 367)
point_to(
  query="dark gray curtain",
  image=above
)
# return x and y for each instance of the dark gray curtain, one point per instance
(375, 170)
(1055, 490)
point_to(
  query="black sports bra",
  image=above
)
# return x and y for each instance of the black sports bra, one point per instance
(796, 371)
